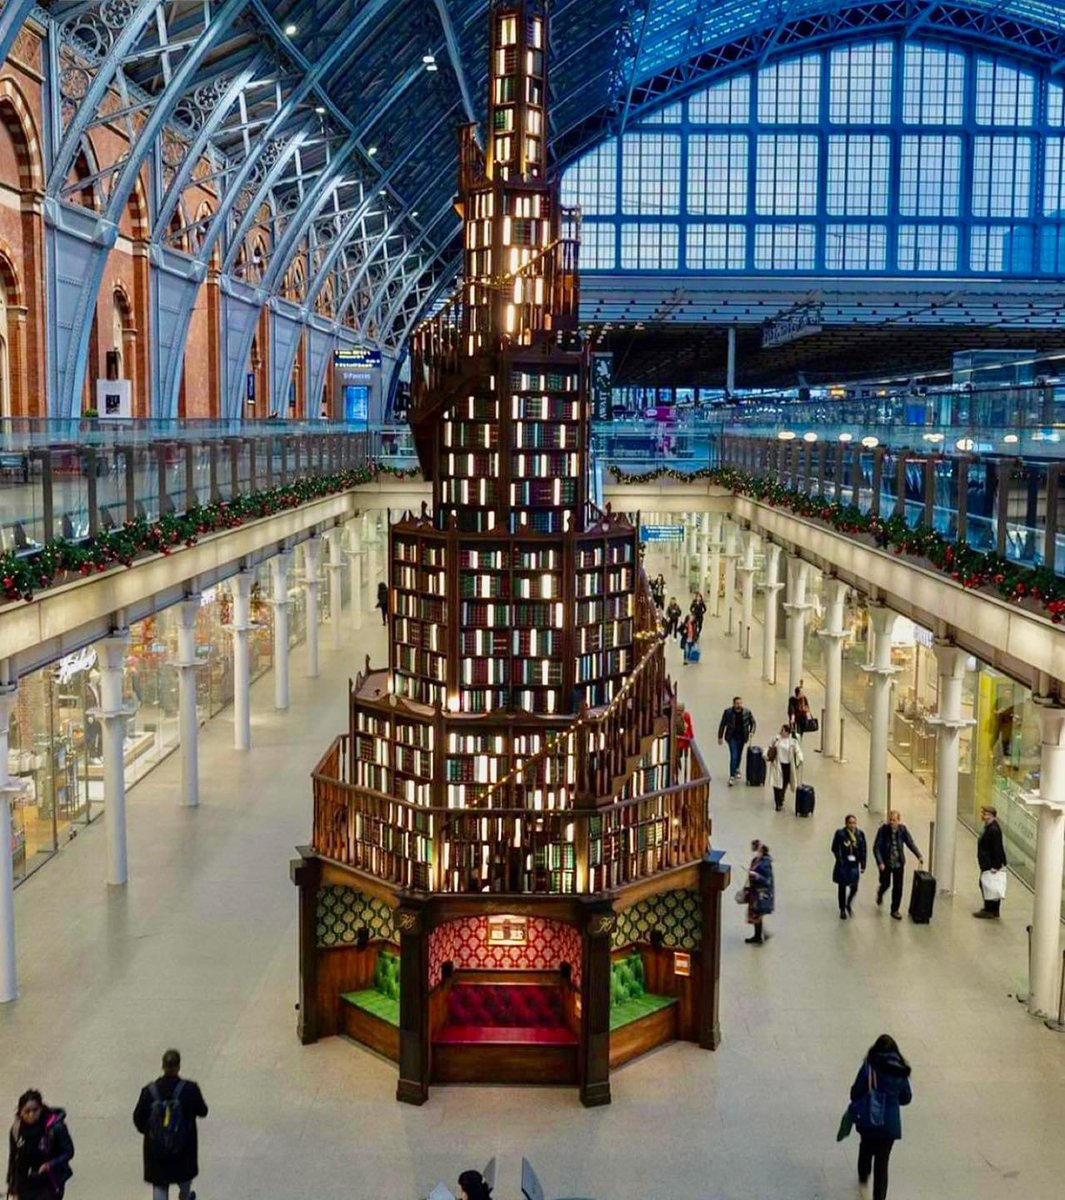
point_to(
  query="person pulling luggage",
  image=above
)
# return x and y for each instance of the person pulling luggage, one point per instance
(784, 756)
(849, 853)
(889, 850)
(736, 726)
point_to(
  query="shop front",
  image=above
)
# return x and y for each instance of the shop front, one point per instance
(55, 739)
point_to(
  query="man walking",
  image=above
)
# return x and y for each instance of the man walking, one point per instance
(736, 727)
(166, 1114)
(991, 855)
(889, 850)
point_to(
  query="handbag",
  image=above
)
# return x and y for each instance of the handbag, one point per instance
(993, 884)
(741, 895)
(771, 753)
(846, 1124)
(812, 725)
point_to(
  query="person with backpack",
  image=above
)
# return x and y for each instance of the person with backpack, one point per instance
(736, 727)
(39, 1150)
(882, 1086)
(166, 1115)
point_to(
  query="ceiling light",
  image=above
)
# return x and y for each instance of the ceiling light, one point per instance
(786, 435)
(320, 109)
(966, 444)
(431, 67)
(383, 192)
(415, 213)
(932, 437)
(429, 58)
(1011, 438)
(809, 437)
(846, 437)
(870, 443)
(290, 30)
(372, 151)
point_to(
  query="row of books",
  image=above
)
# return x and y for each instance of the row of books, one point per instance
(552, 380)
(423, 634)
(420, 690)
(613, 553)
(420, 662)
(429, 580)
(600, 666)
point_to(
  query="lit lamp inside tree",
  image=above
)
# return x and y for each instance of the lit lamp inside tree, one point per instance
(519, 756)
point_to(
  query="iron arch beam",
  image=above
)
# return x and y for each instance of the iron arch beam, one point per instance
(397, 305)
(415, 245)
(447, 275)
(342, 240)
(183, 176)
(12, 19)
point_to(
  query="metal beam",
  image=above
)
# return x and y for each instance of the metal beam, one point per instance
(454, 53)
(649, 5)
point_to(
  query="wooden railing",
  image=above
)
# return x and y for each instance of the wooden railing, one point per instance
(443, 345)
(583, 851)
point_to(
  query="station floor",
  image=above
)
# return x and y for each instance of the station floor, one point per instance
(199, 952)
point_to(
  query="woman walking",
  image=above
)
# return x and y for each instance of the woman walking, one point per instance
(39, 1151)
(698, 611)
(880, 1089)
(798, 711)
(784, 756)
(673, 617)
(761, 894)
(382, 601)
(658, 590)
(849, 853)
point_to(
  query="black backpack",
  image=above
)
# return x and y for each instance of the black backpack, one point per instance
(168, 1129)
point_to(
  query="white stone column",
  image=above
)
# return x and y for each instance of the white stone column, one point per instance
(312, 557)
(241, 629)
(731, 556)
(279, 566)
(796, 606)
(334, 540)
(771, 586)
(112, 713)
(188, 717)
(746, 569)
(833, 635)
(950, 661)
(9, 789)
(1049, 803)
(704, 550)
(716, 545)
(881, 621)
(355, 567)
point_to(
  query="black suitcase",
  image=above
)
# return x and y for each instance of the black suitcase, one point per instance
(755, 766)
(922, 897)
(804, 800)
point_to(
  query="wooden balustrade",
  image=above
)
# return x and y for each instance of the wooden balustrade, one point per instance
(576, 851)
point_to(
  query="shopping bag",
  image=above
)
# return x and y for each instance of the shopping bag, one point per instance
(846, 1124)
(993, 885)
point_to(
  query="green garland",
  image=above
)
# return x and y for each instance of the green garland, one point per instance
(21, 575)
(966, 566)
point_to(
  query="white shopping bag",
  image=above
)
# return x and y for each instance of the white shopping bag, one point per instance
(993, 885)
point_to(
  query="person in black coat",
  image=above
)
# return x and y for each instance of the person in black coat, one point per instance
(848, 850)
(382, 601)
(39, 1150)
(180, 1163)
(991, 855)
(673, 617)
(889, 849)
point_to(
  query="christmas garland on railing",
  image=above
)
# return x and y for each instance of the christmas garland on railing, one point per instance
(21, 575)
(1034, 586)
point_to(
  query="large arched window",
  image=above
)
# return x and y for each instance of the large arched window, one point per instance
(883, 157)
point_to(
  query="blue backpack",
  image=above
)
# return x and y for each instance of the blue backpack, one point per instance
(168, 1130)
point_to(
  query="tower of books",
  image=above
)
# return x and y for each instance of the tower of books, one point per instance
(521, 755)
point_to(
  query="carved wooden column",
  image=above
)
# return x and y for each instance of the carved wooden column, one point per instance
(306, 873)
(413, 1086)
(714, 877)
(593, 1070)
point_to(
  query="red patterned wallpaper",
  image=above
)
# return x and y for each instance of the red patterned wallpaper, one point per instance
(465, 943)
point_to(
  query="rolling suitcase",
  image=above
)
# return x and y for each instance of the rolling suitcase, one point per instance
(922, 897)
(693, 654)
(755, 766)
(804, 800)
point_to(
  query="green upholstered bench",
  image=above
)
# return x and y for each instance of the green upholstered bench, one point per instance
(629, 998)
(382, 1000)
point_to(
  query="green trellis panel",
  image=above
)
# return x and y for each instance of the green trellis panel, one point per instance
(678, 914)
(341, 912)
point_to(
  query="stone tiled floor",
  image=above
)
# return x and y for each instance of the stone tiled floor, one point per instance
(200, 952)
